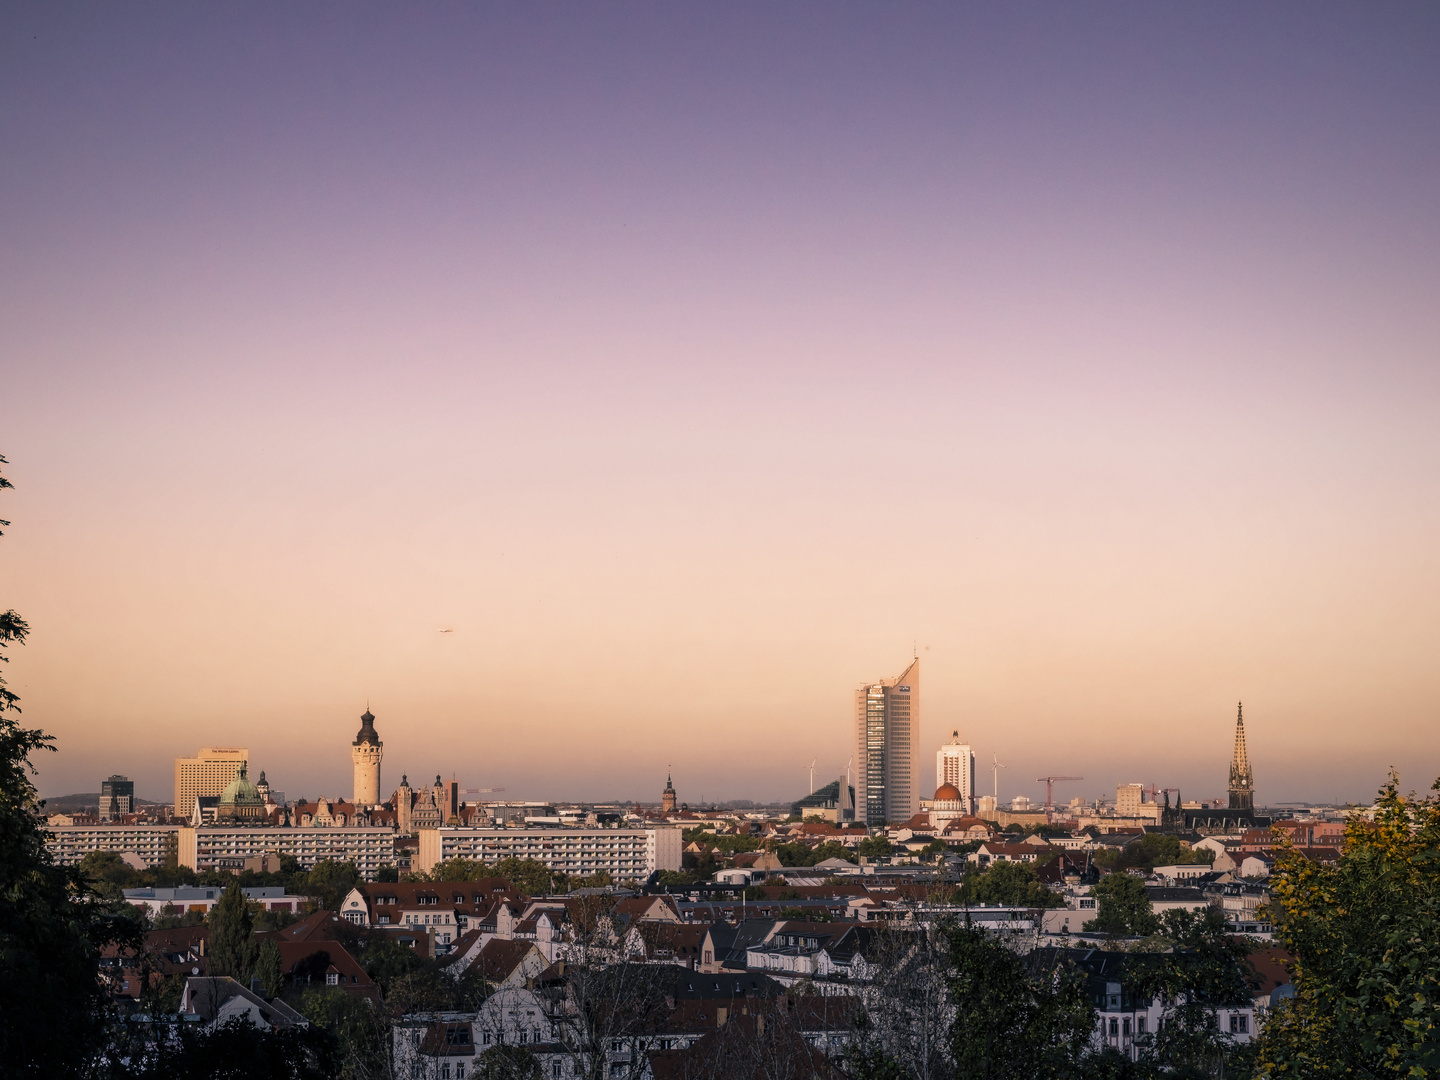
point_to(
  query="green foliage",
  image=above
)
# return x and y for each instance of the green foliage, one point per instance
(386, 961)
(387, 874)
(1366, 937)
(530, 876)
(799, 914)
(1007, 883)
(1122, 906)
(359, 1034)
(458, 869)
(801, 854)
(176, 919)
(235, 1050)
(733, 845)
(507, 1063)
(1009, 1024)
(1150, 851)
(874, 846)
(51, 923)
(270, 969)
(329, 882)
(266, 919)
(674, 878)
(817, 819)
(233, 949)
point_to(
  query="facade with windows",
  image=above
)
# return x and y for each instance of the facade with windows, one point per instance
(227, 848)
(887, 737)
(626, 854)
(151, 843)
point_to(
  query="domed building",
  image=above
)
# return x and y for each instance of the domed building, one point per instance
(947, 805)
(241, 802)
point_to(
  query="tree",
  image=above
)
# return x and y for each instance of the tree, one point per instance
(1008, 883)
(329, 882)
(1122, 906)
(507, 1063)
(1010, 1021)
(1366, 938)
(873, 846)
(387, 873)
(270, 969)
(530, 876)
(233, 949)
(51, 926)
(905, 1029)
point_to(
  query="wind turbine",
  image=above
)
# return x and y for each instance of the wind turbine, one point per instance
(995, 769)
(812, 776)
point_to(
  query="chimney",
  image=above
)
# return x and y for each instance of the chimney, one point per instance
(720, 1015)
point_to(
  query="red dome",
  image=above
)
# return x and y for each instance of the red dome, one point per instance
(947, 793)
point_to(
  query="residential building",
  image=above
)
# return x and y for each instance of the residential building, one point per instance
(150, 843)
(887, 736)
(156, 900)
(219, 999)
(207, 774)
(228, 847)
(625, 854)
(955, 765)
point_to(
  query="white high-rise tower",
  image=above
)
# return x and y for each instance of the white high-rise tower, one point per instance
(955, 764)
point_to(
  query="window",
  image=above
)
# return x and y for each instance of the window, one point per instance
(1140, 1025)
(1127, 1026)
(1114, 1027)
(524, 1036)
(332, 978)
(445, 1071)
(459, 1070)
(536, 1034)
(1244, 1024)
(485, 1038)
(555, 1067)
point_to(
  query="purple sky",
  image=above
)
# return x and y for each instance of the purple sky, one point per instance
(693, 362)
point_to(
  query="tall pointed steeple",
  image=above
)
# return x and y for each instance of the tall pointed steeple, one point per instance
(1242, 786)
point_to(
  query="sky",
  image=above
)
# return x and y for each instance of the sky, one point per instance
(698, 363)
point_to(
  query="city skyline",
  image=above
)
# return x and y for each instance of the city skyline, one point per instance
(688, 371)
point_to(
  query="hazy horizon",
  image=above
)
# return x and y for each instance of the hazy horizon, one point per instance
(696, 365)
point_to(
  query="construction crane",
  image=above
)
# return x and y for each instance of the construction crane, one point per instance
(1050, 782)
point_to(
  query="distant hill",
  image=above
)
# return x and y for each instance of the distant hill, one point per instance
(68, 804)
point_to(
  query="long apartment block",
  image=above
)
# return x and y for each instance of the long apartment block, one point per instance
(627, 854)
(221, 848)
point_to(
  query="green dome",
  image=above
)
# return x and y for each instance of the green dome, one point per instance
(241, 792)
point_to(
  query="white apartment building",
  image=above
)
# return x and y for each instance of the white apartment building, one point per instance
(202, 898)
(226, 848)
(71, 843)
(955, 765)
(627, 854)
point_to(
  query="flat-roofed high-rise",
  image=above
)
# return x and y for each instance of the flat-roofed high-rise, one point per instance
(207, 774)
(887, 736)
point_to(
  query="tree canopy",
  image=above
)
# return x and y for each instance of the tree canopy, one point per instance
(1365, 934)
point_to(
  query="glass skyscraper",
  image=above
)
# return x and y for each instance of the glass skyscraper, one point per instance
(887, 718)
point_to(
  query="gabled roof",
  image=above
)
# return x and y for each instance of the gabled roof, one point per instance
(206, 996)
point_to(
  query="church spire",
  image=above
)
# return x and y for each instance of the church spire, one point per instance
(1242, 786)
